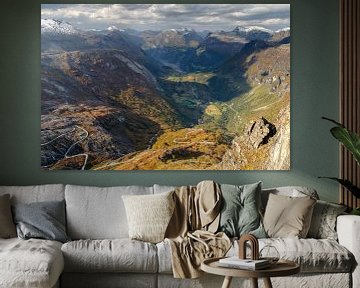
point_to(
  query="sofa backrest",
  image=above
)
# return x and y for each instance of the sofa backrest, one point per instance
(163, 188)
(293, 191)
(98, 212)
(35, 193)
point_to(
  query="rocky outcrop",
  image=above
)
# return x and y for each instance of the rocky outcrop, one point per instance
(263, 146)
(271, 67)
(259, 132)
(280, 151)
(245, 148)
(232, 159)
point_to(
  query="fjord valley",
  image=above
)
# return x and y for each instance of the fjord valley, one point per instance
(167, 99)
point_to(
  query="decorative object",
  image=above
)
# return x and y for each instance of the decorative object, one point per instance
(269, 252)
(236, 262)
(159, 87)
(254, 246)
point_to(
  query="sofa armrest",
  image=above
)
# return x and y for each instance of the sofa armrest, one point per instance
(348, 230)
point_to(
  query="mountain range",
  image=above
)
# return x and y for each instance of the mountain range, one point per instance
(127, 99)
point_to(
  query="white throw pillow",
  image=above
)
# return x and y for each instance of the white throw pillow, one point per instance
(149, 215)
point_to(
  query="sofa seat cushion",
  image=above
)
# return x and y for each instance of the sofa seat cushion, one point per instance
(30, 263)
(115, 255)
(313, 255)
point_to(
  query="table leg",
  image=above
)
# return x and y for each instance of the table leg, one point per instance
(267, 283)
(227, 282)
(254, 282)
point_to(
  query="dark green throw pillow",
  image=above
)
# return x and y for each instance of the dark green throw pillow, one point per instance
(43, 220)
(240, 213)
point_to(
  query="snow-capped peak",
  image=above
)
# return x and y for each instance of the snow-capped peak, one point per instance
(283, 30)
(114, 28)
(57, 26)
(248, 29)
(179, 30)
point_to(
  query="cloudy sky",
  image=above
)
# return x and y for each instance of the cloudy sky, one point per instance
(167, 16)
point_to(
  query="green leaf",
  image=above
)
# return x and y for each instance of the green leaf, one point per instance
(347, 184)
(349, 139)
(333, 121)
(355, 211)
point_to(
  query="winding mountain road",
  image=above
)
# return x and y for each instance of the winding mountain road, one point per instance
(137, 155)
(57, 137)
(83, 137)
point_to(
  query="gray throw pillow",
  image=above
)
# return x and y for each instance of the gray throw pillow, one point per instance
(7, 227)
(43, 220)
(323, 222)
(240, 213)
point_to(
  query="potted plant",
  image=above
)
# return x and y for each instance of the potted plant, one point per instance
(351, 141)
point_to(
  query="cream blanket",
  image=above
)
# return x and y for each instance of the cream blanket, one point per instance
(191, 231)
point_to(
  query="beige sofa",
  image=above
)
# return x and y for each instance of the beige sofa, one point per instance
(101, 255)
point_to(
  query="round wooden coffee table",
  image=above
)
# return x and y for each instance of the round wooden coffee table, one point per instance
(281, 268)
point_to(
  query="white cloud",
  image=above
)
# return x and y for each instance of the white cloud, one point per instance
(165, 16)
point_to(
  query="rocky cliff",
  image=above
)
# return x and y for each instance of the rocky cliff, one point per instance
(261, 117)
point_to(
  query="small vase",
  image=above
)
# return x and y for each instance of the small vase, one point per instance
(270, 253)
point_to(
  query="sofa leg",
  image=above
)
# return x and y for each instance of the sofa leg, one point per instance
(254, 282)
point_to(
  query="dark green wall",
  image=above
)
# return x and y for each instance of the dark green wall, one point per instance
(314, 66)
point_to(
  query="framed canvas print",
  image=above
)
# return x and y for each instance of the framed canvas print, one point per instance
(165, 86)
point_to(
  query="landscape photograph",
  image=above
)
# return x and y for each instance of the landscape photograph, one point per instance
(165, 86)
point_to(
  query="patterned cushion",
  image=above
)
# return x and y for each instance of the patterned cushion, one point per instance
(323, 223)
(149, 215)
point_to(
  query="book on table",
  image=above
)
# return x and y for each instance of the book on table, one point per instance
(236, 262)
